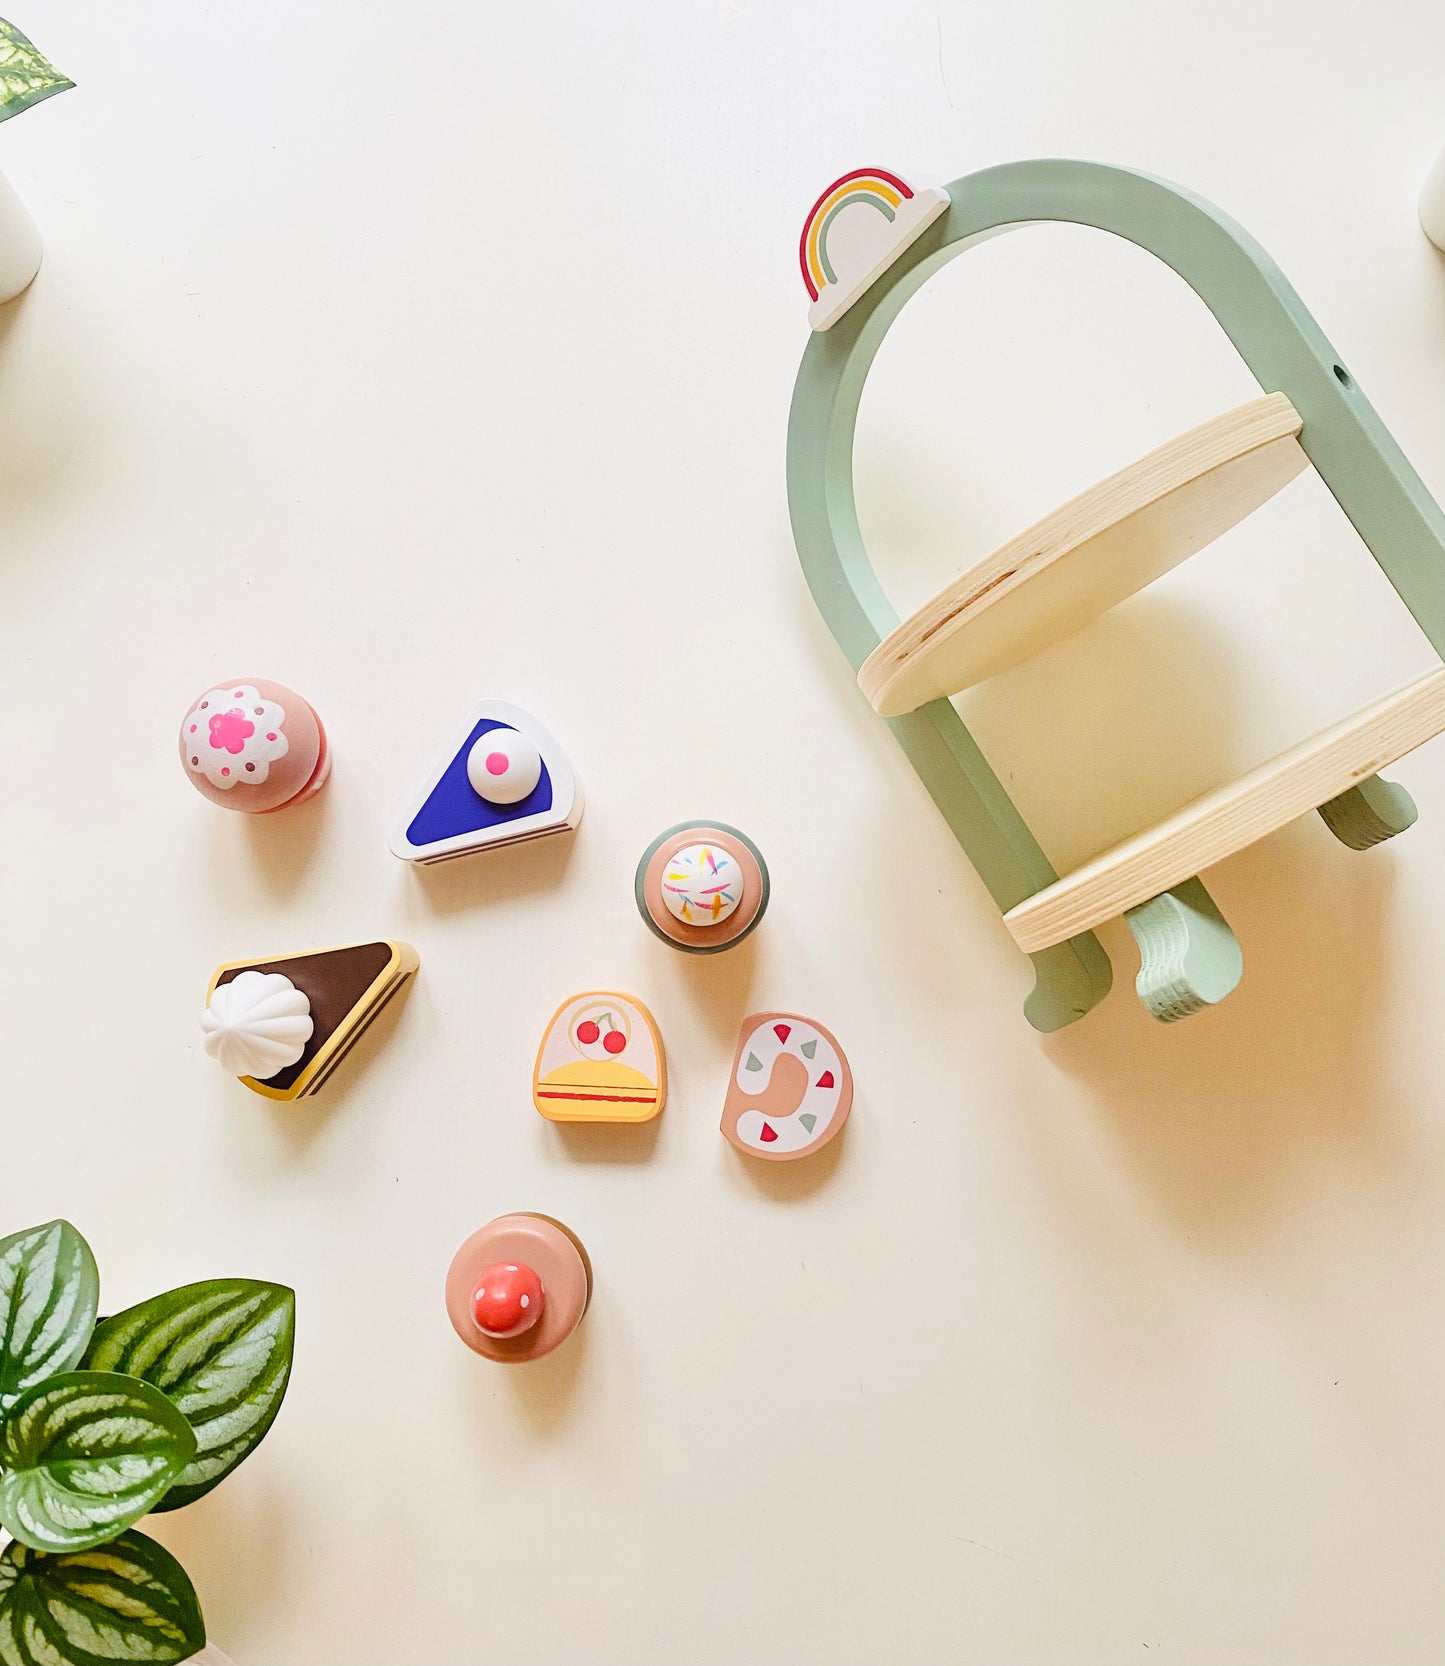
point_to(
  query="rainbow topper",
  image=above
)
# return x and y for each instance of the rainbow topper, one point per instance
(838, 272)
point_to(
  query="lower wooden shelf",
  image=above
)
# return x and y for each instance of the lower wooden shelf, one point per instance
(1232, 817)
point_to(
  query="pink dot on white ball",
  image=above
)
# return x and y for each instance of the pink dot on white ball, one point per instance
(503, 766)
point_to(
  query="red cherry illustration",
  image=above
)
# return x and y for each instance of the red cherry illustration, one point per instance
(508, 1299)
(614, 1041)
(826, 1080)
(782, 1031)
(587, 1032)
(769, 1134)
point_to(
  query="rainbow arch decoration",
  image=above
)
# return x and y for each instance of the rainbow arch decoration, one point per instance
(837, 274)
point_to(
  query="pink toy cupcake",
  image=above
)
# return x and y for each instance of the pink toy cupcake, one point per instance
(518, 1288)
(255, 746)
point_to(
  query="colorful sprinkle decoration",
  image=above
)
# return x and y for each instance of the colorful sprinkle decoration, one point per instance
(701, 885)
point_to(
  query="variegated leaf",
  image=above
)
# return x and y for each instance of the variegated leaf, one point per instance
(48, 1291)
(84, 1455)
(26, 76)
(127, 1600)
(222, 1351)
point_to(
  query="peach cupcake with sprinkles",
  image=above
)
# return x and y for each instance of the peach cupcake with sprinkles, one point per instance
(702, 886)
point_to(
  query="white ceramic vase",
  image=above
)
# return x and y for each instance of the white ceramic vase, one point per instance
(1432, 203)
(19, 244)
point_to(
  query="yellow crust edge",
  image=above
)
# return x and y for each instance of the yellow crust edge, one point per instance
(652, 1030)
(403, 963)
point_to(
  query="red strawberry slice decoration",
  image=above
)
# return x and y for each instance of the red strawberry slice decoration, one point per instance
(769, 1134)
(826, 1080)
(782, 1031)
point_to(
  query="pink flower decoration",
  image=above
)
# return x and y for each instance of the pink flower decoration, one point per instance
(246, 735)
(231, 730)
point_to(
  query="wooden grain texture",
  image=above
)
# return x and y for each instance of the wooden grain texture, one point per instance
(1233, 817)
(1088, 556)
(1188, 957)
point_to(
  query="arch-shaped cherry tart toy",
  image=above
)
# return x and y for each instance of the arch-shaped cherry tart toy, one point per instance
(601, 1060)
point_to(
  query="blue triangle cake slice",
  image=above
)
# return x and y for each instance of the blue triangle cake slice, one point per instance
(504, 779)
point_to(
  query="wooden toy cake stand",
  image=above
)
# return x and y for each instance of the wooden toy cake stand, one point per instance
(1102, 547)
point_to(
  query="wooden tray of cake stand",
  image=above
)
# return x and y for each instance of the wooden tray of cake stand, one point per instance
(1103, 546)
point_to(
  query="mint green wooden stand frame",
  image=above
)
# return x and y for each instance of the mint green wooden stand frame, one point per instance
(1286, 350)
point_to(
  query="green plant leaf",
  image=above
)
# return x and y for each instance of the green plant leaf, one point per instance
(127, 1600)
(48, 1293)
(26, 76)
(222, 1351)
(85, 1454)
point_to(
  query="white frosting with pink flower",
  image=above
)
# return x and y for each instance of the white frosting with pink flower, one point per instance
(232, 736)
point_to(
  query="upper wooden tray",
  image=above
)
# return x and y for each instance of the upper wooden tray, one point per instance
(1232, 817)
(1085, 558)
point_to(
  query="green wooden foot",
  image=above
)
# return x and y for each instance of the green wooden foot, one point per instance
(1188, 956)
(1369, 814)
(1069, 979)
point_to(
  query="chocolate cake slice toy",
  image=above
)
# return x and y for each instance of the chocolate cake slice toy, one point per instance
(503, 779)
(283, 1026)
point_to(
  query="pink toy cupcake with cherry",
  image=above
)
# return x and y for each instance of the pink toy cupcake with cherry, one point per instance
(518, 1288)
(255, 746)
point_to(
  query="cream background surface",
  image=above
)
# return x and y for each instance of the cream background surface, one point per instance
(411, 355)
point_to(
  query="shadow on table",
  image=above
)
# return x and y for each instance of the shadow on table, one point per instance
(298, 1122)
(1214, 1115)
(717, 986)
(607, 1142)
(785, 1182)
(543, 1391)
(283, 844)
(513, 872)
(204, 1538)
